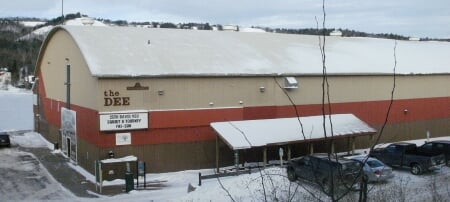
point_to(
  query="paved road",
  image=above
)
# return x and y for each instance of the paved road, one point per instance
(22, 177)
(58, 166)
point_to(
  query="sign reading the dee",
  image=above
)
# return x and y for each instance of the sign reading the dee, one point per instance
(123, 121)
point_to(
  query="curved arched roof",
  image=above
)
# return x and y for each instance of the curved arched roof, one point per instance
(151, 52)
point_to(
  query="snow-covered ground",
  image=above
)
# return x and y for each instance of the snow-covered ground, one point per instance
(16, 110)
(35, 182)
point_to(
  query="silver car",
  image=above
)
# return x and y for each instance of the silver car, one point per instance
(374, 170)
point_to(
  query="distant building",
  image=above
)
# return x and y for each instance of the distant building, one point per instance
(251, 29)
(234, 28)
(336, 33)
(5, 78)
(173, 102)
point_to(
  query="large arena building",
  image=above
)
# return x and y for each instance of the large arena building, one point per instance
(189, 99)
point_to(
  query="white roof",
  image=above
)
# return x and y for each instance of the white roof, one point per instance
(257, 133)
(134, 51)
(119, 160)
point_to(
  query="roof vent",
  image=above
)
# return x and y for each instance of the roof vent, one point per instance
(290, 82)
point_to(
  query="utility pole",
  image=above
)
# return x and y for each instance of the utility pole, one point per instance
(67, 83)
(62, 12)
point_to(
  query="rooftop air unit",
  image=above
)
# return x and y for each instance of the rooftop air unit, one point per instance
(290, 82)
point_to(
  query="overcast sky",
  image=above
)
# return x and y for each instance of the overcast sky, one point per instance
(420, 18)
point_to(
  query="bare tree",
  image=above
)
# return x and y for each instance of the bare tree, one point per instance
(332, 193)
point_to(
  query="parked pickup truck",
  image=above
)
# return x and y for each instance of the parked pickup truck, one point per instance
(334, 175)
(408, 155)
(437, 147)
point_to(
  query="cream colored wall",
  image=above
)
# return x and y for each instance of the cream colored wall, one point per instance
(192, 93)
(53, 68)
(345, 89)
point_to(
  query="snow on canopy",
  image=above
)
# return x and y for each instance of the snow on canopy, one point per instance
(263, 132)
(142, 52)
(119, 160)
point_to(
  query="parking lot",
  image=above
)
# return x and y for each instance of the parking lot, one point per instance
(22, 177)
(25, 175)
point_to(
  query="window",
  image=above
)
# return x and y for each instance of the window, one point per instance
(392, 149)
(427, 146)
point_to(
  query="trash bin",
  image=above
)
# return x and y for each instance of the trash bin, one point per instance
(129, 182)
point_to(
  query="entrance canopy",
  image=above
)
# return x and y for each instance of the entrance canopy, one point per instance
(256, 133)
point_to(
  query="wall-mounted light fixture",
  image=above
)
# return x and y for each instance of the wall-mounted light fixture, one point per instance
(262, 89)
(405, 111)
(211, 104)
(111, 154)
(241, 102)
(160, 92)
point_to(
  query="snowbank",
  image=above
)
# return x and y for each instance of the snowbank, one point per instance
(30, 140)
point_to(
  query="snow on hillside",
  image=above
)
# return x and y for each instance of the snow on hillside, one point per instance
(31, 23)
(84, 21)
(16, 110)
(43, 30)
(40, 33)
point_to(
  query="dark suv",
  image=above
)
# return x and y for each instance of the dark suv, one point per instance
(343, 173)
(437, 147)
(4, 140)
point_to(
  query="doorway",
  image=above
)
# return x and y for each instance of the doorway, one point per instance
(68, 147)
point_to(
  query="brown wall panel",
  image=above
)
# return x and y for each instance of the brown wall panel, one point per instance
(201, 154)
(173, 157)
(87, 155)
(415, 130)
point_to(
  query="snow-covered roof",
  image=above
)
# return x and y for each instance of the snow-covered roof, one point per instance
(119, 160)
(144, 52)
(257, 133)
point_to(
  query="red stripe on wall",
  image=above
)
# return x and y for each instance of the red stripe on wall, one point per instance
(189, 118)
(193, 125)
(374, 112)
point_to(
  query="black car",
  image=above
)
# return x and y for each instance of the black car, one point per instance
(4, 140)
(437, 147)
(342, 173)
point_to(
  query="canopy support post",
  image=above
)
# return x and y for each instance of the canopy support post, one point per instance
(265, 157)
(289, 153)
(353, 145)
(217, 154)
(236, 161)
(332, 146)
(311, 148)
